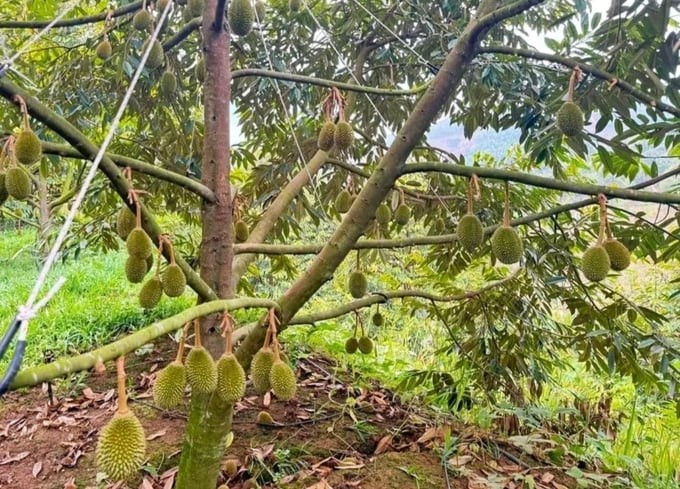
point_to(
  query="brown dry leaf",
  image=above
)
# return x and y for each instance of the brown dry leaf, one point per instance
(460, 460)
(350, 463)
(16, 458)
(89, 394)
(383, 445)
(37, 467)
(146, 483)
(436, 432)
(155, 435)
(263, 452)
(559, 486)
(70, 484)
(547, 478)
(320, 485)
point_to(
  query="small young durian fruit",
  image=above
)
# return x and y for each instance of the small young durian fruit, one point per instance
(402, 215)
(231, 379)
(344, 135)
(506, 245)
(18, 183)
(343, 201)
(142, 20)
(294, 5)
(139, 244)
(168, 84)
(199, 70)
(168, 391)
(570, 119)
(358, 285)
(365, 345)
(104, 49)
(378, 319)
(195, 7)
(27, 147)
(156, 54)
(326, 137)
(263, 417)
(125, 222)
(161, 4)
(201, 370)
(260, 368)
(174, 280)
(241, 16)
(351, 345)
(383, 215)
(151, 293)
(261, 10)
(595, 263)
(619, 256)
(4, 194)
(230, 466)
(470, 232)
(241, 231)
(282, 380)
(135, 269)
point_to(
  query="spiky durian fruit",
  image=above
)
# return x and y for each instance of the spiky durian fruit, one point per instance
(121, 447)
(149, 262)
(104, 49)
(231, 379)
(168, 84)
(18, 183)
(263, 417)
(343, 201)
(294, 5)
(168, 391)
(344, 135)
(230, 466)
(595, 263)
(570, 119)
(261, 10)
(260, 368)
(383, 214)
(351, 345)
(619, 256)
(174, 281)
(27, 147)
(402, 214)
(470, 232)
(135, 269)
(125, 222)
(506, 245)
(358, 285)
(3, 189)
(201, 370)
(151, 293)
(326, 136)
(365, 345)
(378, 319)
(195, 7)
(241, 16)
(161, 4)
(142, 20)
(241, 231)
(156, 54)
(199, 70)
(282, 380)
(139, 244)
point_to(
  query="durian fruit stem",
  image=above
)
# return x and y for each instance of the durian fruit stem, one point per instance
(575, 77)
(25, 123)
(360, 322)
(473, 193)
(227, 331)
(122, 392)
(197, 333)
(506, 209)
(180, 349)
(277, 351)
(604, 223)
(160, 255)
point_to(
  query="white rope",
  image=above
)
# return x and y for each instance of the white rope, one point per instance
(30, 309)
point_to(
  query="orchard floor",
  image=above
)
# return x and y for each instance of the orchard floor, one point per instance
(332, 436)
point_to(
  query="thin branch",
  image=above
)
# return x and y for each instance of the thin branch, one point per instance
(90, 19)
(182, 34)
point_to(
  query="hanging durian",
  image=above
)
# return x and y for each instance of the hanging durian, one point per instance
(104, 49)
(282, 379)
(260, 368)
(135, 269)
(156, 55)
(231, 378)
(383, 215)
(241, 16)
(161, 4)
(168, 391)
(18, 183)
(195, 7)
(378, 319)
(142, 20)
(570, 116)
(138, 243)
(200, 367)
(344, 135)
(343, 201)
(151, 292)
(241, 231)
(506, 244)
(619, 256)
(357, 284)
(351, 345)
(27, 147)
(168, 84)
(470, 231)
(326, 136)
(595, 262)
(365, 345)
(402, 215)
(174, 281)
(295, 5)
(126, 221)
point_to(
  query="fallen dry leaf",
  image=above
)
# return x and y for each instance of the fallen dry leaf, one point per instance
(16, 458)
(383, 445)
(155, 435)
(37, 467)
(460, 460)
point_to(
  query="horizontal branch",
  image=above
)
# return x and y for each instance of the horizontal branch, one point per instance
(182, 34)
(90, 19)
(591, 70)
(68, 365)
(321, 82)
(543, 182)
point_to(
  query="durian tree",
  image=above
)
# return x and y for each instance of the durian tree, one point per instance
(334, 101)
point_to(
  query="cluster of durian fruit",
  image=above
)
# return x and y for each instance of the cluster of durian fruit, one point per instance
(23, 149)
(340, 135)
(364, 344)
(383, 214)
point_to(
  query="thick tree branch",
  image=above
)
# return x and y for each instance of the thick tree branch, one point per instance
(90, 19)
(592, 70)
(182, 34)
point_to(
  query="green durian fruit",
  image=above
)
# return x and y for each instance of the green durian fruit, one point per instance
(151, 293)
(438, 226)
(121, 447)
(383, 215)
(378, 319)
(168, 84)
(241, 16)
(570, 119)
(351, 345)
(506, 245)
(358, 285)
(470, 232)
(168, 391)
(365, 345)
(201, 370)
(260, 368)
(282, 380)
(595, 263)
(402, 214)
(199, 70)
(326, 137)
(27, 147)
(230, 466)
(343, 201)
(231, 379)
(126, 221)
(294, 5)
(161, 4)
(156, 55)
(344, 135)
(4, 194)
(142, 20)
(195, 7)
(241, 231)
(261, 10)
(135, 269)
(174, 281)
(104, 49)
(263, 417)
(18, 183)
(149, 262)
(139, 244)
(619, 256)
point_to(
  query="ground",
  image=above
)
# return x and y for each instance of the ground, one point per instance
(332, 436)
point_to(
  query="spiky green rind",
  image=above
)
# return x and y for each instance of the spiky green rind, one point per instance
(259, 370)
(402, 214)
(168, 84)
(104, 49)
(506, 245)
(174, 281)
(344, 135)
(156, 54)
(142, 20)
(294, 5)
(365, 345)
(358, 285)
(261, 10)
(195, 7)
(168, 391)
(230, 466)
(231, 379)
(121, 447)
(161, 4)
(201, 370)
(619, 256)
(570, 119)
(199, 70)
(383, 214)
(27, 147)
(343, 201)
(282, 380)
(470, 232)
(326, 137)
(135, 269)
(125, 222)
(263, 417)
(378, 319)
(139, 244)
(4, 195)
(351, 345)
(151, 293)
(241, 231)
(18, 183)
(595, 263)
(241, 17)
